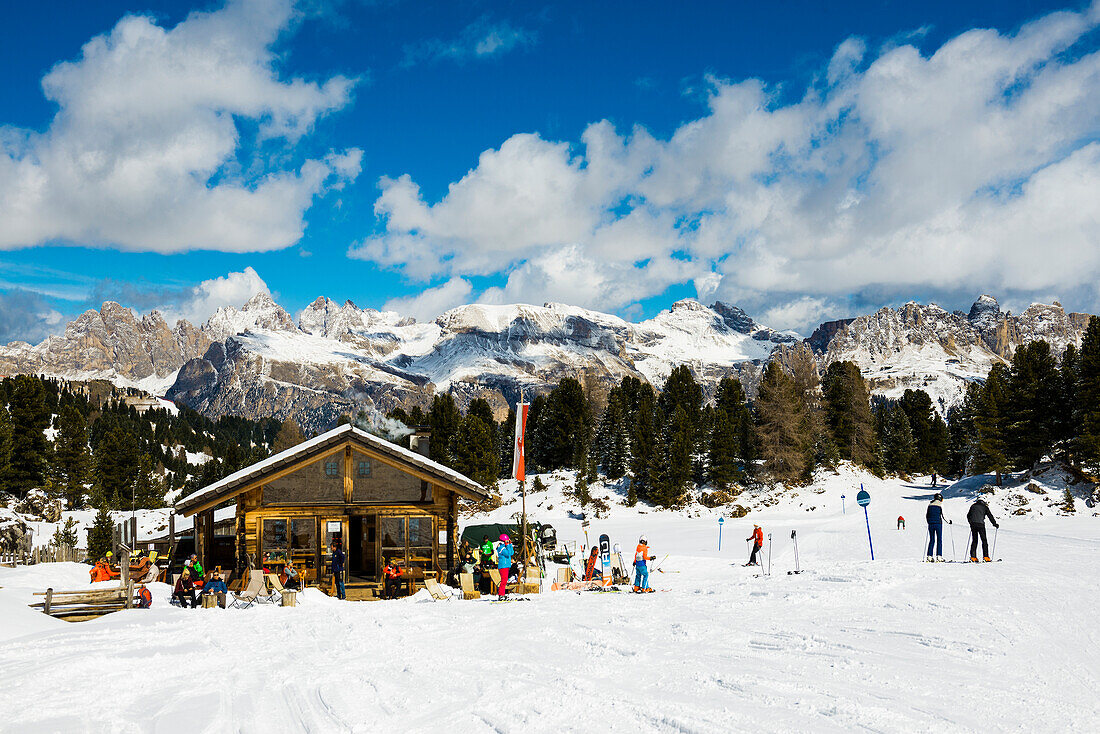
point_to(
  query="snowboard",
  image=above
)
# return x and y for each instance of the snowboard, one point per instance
(605, 559)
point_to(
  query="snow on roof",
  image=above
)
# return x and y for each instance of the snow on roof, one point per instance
(250, 473)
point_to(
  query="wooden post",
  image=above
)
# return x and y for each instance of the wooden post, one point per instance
(129, 591)
(124, 567)
(349, 482)
(133, 533)
(49, 598)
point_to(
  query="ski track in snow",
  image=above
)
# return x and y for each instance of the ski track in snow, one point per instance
(893, 645)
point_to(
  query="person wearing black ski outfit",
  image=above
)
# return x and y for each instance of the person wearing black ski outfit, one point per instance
(935, 518)
(976, 516)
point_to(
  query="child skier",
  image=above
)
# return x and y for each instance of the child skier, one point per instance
(504, 563)
(976, 516)
(641, 570)
(757, 539)
(934, 516)
(901, 523)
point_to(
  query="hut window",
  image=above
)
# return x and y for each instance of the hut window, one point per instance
(332, 468)
(303, 535)
(364, 469)
(275, 536)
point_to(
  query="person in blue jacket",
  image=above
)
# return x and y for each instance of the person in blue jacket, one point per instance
(215, 585)
(934, 516)
(504, 563)
(338, 559)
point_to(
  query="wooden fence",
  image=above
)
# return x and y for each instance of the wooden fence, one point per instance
(51, 554)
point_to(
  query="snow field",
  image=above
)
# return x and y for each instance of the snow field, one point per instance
(890, 645)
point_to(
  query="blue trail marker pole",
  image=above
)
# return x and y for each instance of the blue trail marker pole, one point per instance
(864, 499)
(843, 509)
(721, 520)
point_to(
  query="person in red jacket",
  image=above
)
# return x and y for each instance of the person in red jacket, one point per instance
(392, 573)
(901, 523)
(757, 539)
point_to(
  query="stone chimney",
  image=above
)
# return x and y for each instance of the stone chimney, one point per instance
(418, 440)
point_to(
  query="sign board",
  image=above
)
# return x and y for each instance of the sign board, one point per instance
(334, 526)
(863, 498)
(443, 537)
(721, 520)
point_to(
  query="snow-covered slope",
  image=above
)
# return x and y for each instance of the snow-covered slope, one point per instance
(890, 645)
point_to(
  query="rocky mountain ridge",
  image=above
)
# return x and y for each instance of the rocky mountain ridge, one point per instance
(338, 358)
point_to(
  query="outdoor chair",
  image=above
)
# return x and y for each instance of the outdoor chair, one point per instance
(277, 588)
(466, 580)
(252, 593)
(436, 590)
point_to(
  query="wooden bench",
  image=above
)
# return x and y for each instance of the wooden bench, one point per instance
(80, 606)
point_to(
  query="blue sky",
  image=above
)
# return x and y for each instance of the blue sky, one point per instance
(806, 160)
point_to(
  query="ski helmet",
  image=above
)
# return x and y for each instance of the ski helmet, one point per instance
(938, 497)
(642, 538)
(504, 537)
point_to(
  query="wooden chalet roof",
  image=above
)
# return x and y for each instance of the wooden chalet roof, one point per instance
(238, 481)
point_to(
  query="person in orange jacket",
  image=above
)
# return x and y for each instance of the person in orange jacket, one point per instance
(641, 570)
(757, 539)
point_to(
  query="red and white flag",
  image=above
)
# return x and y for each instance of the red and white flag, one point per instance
(517, 449)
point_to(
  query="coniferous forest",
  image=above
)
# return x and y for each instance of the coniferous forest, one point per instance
(105, 454)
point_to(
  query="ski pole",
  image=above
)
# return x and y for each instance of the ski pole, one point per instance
(769, 554)
(954, 555)
(995, 530)
(658, 566)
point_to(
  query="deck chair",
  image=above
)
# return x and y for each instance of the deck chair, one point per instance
(468, 590)
(276, 586)
(252, 593)
(565, 575)
(437, 592)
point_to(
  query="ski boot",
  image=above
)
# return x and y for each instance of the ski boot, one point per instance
(940, 559)
(973, 559)
(988, 559)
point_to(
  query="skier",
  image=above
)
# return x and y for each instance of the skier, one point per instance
(504, 563)
(934, 516)
(641, 570)
(901, 523)
(757, 539)
(976, 516)
(933, 479)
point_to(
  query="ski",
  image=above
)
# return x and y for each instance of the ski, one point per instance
(605, 559)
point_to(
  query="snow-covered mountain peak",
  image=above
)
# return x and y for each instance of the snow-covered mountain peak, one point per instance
(259, 312)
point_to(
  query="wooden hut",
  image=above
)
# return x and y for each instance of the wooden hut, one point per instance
(382, 500)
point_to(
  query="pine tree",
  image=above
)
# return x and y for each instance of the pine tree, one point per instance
(782, 425)
(5, 442)
(116, 467)
(445, 420)
(990, 451)
(848, 413)
(564, 428)
(65, 535)
(730, 450)
(289, 436)
(1033, 398)
(100, 535)
(148, 486)
(936, 448)
(1064, 426)
(72, 458)
(962, 430)
(476, 454)
(643, 440)
(611, 436)
(1087, 398)
(898, 445)
(29, 448)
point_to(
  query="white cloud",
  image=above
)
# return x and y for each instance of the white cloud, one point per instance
(431, 302)
(801, 314)
(481, 39)
(233, 289)
(952, 171)
(145, 151)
